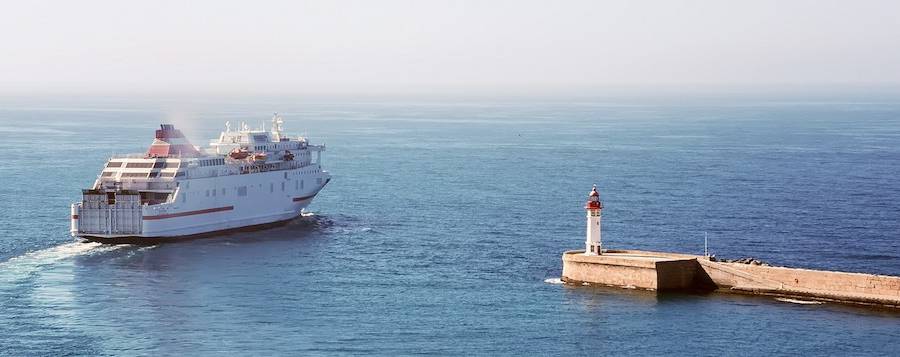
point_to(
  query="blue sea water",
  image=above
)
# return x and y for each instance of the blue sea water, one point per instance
(445, 221)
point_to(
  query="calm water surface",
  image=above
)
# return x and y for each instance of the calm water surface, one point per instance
(444, 221)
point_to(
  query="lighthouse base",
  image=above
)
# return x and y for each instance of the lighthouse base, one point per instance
(632, 269)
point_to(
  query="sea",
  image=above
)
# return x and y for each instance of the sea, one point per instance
(442, 230)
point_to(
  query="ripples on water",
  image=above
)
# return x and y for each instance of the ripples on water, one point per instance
(442, 232)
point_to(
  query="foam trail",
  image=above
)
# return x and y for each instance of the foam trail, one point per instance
(554, 281)
(22, 266)
(802, 302)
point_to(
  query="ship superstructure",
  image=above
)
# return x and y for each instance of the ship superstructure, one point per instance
(245, 178)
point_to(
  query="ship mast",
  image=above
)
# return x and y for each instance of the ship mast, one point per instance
(276, 127)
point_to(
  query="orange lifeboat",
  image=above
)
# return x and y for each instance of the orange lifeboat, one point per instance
(259, 157)
(239, 154)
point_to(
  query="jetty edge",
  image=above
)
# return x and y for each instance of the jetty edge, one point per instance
(662, 271)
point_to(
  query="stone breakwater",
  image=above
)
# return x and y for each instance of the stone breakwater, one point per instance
(660, 271)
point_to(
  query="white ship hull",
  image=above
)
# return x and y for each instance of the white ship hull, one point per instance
(270, 198)
(248, 179)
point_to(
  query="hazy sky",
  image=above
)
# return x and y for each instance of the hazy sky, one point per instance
(409, 46)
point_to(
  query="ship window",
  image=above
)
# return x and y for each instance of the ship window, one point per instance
(223, 191)
(179, 174)
(301, 183)
(139, 165)
(114, 164)
(184, 197)
(107, 173)
(271, 187)
(242, 191)
(159, 164)
(214, 192)
(207, 193)
(296, 185)
(282, 186)
(135, 174)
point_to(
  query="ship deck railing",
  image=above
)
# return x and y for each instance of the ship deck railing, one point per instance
(274, 166)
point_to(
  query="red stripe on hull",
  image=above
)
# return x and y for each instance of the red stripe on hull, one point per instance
(189, 213)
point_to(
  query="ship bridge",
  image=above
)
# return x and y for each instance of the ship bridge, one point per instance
(256, 140)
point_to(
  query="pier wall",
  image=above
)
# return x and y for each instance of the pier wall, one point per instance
(728, 275)
(669, 271)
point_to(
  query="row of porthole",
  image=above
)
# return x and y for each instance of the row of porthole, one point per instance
(242, 190)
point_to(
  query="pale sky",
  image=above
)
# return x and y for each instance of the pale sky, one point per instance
(387, 46)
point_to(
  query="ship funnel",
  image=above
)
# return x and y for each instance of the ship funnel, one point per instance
(170, 142)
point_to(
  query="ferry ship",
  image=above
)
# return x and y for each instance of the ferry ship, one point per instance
(245, 179)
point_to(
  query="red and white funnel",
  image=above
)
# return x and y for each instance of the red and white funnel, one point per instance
(170, 142)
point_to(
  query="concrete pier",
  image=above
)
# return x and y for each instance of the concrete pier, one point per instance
(659, 271)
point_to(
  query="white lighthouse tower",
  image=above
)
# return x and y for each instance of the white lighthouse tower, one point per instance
(593, 208)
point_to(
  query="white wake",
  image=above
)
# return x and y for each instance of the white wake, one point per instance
(22, 266)
(554, 281)
(802, 302)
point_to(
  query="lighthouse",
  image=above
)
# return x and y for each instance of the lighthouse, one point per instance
(593, 206)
